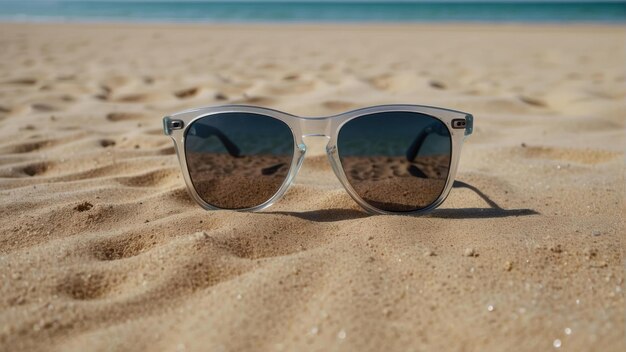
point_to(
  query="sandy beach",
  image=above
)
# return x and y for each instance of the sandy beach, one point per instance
(101, 247)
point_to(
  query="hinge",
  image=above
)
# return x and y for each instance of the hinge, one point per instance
(459, 123)
(467, 124)
(169, 125)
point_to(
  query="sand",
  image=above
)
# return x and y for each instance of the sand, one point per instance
(101, 248)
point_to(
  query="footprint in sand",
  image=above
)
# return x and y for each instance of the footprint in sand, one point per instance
(105, 94)
(27, 147)
(125, 246)
(43, 107)
(123, 116)
(187, 93)
(84, 206)
(220, 96)
(133, 98)
(437, 84)
(533, 101)
(291, 77)
(105, 143)
(36, 169)
(381, 82)
(87, 286)
(22, 81)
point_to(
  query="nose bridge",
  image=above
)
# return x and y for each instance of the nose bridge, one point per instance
(315, 127)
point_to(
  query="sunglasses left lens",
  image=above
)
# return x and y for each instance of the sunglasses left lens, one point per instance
(238, 160)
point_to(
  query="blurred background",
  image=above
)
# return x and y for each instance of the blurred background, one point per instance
(314, 11)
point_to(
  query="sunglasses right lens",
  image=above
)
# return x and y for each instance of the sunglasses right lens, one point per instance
(238, 160)
(396, 161)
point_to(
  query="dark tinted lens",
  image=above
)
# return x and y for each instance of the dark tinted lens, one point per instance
(238, 160)
(396, 161)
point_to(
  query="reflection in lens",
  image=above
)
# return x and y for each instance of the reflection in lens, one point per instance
(396, 161)
(238, 160)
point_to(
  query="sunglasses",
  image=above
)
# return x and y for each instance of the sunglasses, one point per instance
(391, 158)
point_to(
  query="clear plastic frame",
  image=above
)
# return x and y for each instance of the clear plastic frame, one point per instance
(459, 125)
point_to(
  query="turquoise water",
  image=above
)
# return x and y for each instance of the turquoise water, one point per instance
(311, 11)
